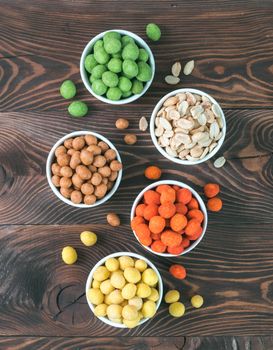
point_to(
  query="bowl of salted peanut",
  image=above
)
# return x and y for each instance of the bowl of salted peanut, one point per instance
(84, 169)
(188, 126)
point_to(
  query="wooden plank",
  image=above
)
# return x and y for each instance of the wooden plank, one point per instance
(232, 268)
(135, 343)
(26, 138)
(232, 46)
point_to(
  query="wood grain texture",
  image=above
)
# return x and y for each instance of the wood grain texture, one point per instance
(136, 343)
(232, 268)
(41, 44)
(42, 301)
(27, 199)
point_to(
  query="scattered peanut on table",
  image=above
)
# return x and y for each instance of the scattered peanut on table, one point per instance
(130, 139)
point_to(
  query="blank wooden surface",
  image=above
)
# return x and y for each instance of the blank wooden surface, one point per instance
(42, 301)
(136, 343)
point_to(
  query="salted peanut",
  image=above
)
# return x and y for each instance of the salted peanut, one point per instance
(172, 80)
(171, 101)
(105, 171)
(56, 180)
(71, 151)
(96, 179)
(176, 69)
(76, 197)
(105, 180)
(68, 143)
(113, 176)
(87, 188)
(60, 150)
(75, 160)
(90, 140)
(100, 190)
(66, 171)
(130, 139)
(92, 168)
(77, 181)
(188, 68)
(78, 143)
(89, 199)
(104, 146)
(110, 185)
(63, 159)
(66, 192)
(99, 161)
(56, 169)
(143, 124)
(65, 182)
(122, 123)
(83, 172)
(110, 155)
(115, 165)
(113, 219)
(86, 157)
(95, 149)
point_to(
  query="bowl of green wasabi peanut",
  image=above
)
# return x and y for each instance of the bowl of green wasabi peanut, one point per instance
(117, 67)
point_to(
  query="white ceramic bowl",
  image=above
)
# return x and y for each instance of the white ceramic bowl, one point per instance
(84, 74)
(154, 138)
(195, 194)
(51, 157)
(115, 255)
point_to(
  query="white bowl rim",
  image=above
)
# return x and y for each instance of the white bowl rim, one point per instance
(51, 156)
(86, 51)
(154, 138)
(196, 195)
(114, 255)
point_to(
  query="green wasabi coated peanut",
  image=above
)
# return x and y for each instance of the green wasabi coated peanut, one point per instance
(115, 65)
(143, 55)
(77, 109)
(144, 72)
(130, 52)
(90, 63)
(114, 93)
(153, 31)
(68, 89)
(99, 87)
(124, 84)
(110, 79)
(130, 68)
(111, 35)
(101, 56)
(137, 87)
(92, 79)
(98, 44)
(126, 94)
(98, 71)
(112, 46)
(126, 39)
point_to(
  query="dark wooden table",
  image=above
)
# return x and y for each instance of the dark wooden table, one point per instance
(42, 301)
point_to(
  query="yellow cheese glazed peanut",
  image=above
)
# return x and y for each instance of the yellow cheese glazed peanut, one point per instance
(123, 296)
(197, 301)
(69, 255)
(88, 238)
(177, 309)
(172, 296)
